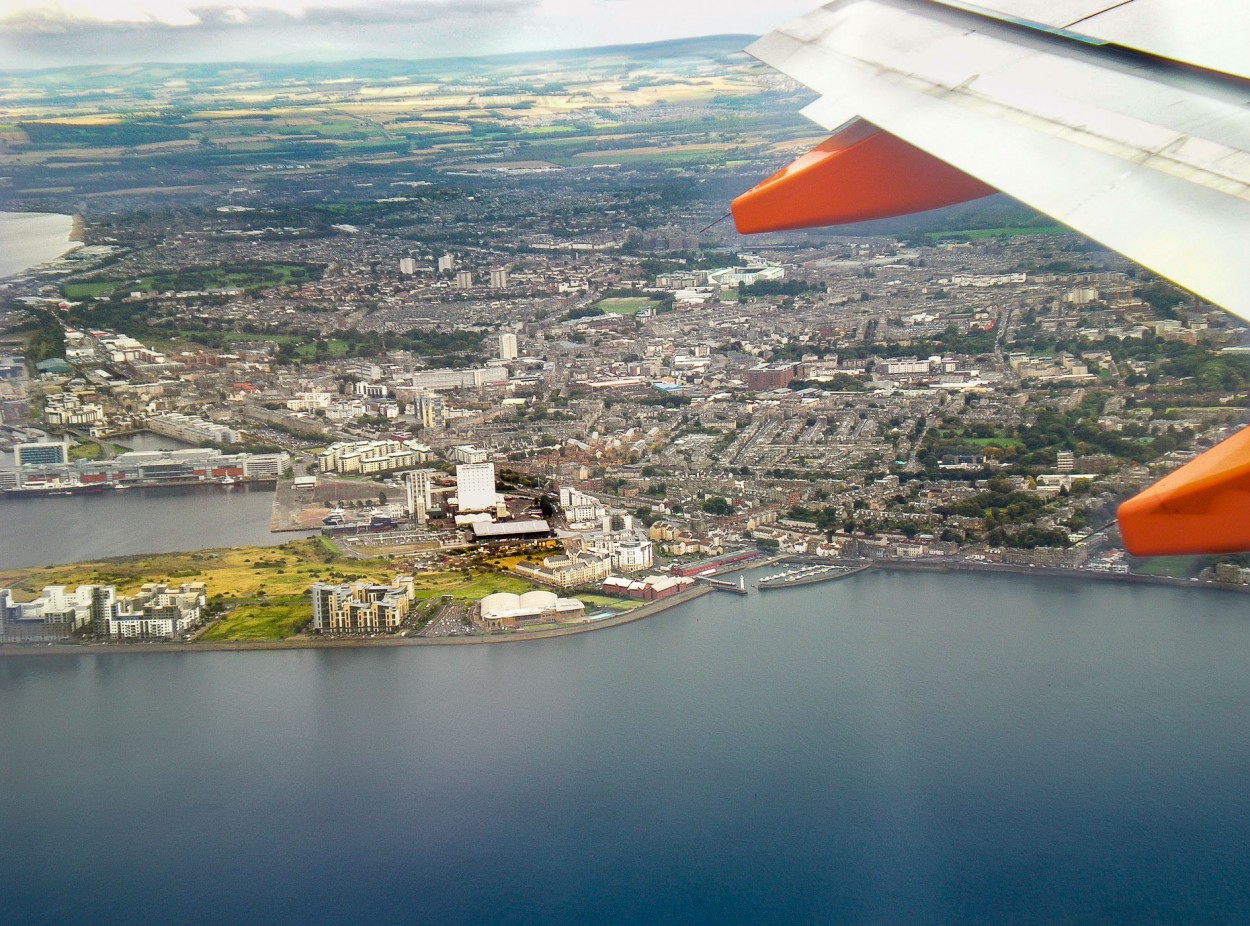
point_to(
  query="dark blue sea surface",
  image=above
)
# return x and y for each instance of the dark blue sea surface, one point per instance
(893, 749)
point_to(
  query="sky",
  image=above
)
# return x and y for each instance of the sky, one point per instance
(55, 33)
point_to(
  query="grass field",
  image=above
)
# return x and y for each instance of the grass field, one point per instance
(88, 450)
(625, 305)
(603, 601)
(267, 586)
(234, 574)
(275, 619)
(1175, 567)
(1011, 442)
(473, 586)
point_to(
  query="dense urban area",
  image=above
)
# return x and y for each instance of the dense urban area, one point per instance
(480, 327)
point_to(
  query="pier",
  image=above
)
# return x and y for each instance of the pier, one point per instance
(721, 585)
(810, 574)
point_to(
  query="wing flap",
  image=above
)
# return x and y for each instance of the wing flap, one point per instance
(860, 173)
(1203, 507)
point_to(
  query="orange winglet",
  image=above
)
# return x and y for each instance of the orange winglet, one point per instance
(860, 173)
(1203, 507)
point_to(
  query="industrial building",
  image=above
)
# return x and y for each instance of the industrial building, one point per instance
(140, 467)
(651, 588)
(506, 611)
(45, 454)
(475, 487)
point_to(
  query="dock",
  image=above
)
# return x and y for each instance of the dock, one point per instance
(809, 575)
(720, 585)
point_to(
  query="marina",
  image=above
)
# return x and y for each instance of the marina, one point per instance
(809, 575)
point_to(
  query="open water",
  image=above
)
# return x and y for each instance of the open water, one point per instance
(28, 239)
(70, 529)
(890, 749)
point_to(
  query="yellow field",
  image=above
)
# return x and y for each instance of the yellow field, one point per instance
(239, 573)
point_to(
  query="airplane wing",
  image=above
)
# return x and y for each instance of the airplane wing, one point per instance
(1127, 121)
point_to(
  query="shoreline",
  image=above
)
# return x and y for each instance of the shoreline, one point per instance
(75, 237)
(314, 643)
(1055, 572)
(637, 614)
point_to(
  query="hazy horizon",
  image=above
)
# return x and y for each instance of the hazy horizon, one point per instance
(39, 34)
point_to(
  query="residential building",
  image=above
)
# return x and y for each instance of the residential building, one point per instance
(373, 456)
(429, 409)
(567, 571)
(361, 607)
(54, 615)
(507, 346)
(157, 613)
(773, 375)
(450, 379)
(580, 507)
(191, 429)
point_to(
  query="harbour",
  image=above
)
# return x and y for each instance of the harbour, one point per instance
(42, 531)
(810, 575)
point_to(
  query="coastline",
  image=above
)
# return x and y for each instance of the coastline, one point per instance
(40, 249)
(1053, 572)
(641, 613)
(309, 643)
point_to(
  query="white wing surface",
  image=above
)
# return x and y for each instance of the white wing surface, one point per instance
(1125, 121)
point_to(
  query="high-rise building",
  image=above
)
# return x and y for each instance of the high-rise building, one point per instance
(499, 278)
(419, 485)
(407, 266)
(446, 263)
(475, 486)
(507, 346)
(464, 279)
(428, 409)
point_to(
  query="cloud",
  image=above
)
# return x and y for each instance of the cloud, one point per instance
(56, 33)
(73, 18)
